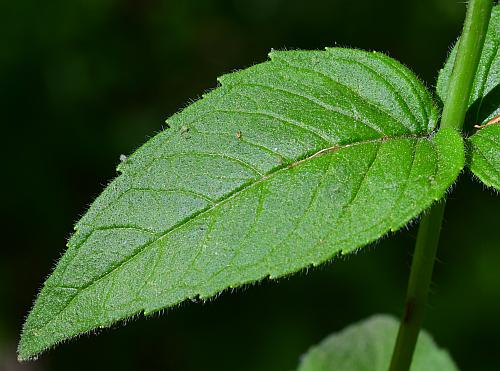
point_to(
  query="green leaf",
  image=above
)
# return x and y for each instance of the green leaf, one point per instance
(368, 345)
(286, 165)
(484, 102)
(484, 105)
(484, 159)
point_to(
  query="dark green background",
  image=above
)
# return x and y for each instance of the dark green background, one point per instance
(84, 81)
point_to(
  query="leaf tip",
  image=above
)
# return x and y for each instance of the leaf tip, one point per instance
(23, 352)
(23, 356)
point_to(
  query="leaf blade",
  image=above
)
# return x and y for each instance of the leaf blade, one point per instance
(484, 159)
(245, 186)
(484, 102)
(367, 345)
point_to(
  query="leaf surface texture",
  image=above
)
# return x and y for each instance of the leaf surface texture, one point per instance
(485, 155)
(285, 165)
(484, 102)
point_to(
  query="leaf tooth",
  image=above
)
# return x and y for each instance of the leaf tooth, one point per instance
(272, 54)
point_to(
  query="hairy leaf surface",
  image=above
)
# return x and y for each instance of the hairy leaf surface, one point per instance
(368, 345)
(485, 155)
(484, 102)
(287, 164)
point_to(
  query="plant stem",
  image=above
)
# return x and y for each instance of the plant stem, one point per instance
(466, 62)
(418, 287)
(456, 104)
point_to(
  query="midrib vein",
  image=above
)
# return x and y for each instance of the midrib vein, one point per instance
(245, 187)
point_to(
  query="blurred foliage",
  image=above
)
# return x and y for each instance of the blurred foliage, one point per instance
(84, 81)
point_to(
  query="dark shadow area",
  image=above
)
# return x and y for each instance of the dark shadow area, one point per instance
(482, 109)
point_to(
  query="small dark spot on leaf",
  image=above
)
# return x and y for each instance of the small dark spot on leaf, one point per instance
(184, 130)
